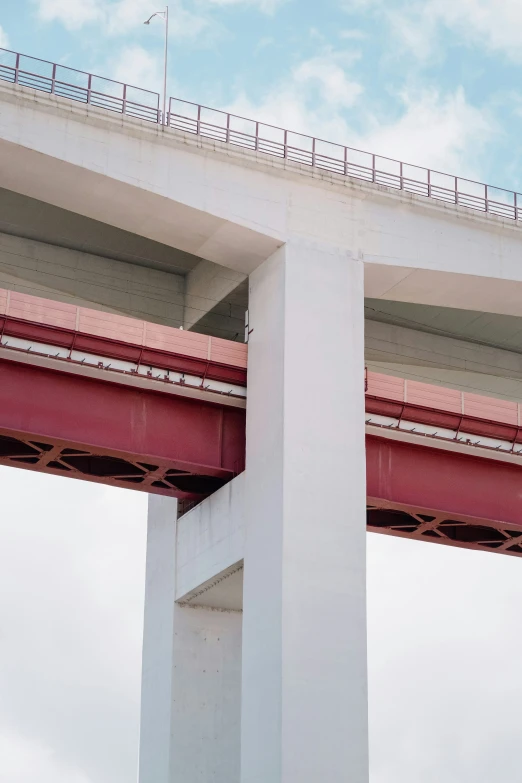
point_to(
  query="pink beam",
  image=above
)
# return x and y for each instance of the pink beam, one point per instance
(118, 337)
(437, 406)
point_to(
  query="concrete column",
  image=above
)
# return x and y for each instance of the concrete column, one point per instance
(190, 711)
(304, 684)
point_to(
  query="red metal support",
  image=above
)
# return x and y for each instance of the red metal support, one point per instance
(447, 482)
(117, 434)
(449, 498)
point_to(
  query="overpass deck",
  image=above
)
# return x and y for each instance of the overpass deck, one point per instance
(187, 117)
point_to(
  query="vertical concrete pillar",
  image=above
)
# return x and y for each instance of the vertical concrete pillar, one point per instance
(191, 682)
(304, 684)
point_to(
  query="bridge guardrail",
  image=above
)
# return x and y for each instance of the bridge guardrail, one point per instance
(257, 136)
(339, 159)
(79, 86)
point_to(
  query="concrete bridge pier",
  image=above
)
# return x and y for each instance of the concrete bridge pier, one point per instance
(191, 672)
(282, 696)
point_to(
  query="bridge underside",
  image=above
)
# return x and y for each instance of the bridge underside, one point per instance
(436, 495)
(70, 425)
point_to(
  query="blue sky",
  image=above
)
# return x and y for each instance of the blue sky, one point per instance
(434, 82)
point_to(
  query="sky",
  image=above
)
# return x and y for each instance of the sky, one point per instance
(433, 82)
(444, 637)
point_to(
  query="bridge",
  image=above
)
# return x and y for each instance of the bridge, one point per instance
(380, 388)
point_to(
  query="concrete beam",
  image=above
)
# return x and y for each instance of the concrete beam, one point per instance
(210, 549)
(206, 286)
(235, 206)
(408, 353)
(80, 278)
(124, 172)
(489, 290)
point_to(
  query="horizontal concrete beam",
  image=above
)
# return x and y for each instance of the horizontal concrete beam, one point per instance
(235, 206)
(499, 293)
(79, 278)
(210, 549)
(210, 287)
(127, 173)
(446, 361)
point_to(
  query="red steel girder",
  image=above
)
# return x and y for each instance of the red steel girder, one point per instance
(103, 431)
(118, 434)
(429, 493)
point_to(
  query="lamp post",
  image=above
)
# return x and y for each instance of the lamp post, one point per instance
(165, 16)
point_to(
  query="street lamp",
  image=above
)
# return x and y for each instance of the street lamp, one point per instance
(165, 16)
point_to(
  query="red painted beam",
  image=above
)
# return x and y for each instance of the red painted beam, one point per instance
(157, 442)
(422, 492)
(102, 431)
(445, 481)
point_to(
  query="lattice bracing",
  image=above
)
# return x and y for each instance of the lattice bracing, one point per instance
(442, 529)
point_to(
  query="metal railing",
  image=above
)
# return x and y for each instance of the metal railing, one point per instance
(348, 161)
(257, 136)
(79, 86)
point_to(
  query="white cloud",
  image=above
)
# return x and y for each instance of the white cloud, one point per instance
(445, 686)
(495, 23)
(330, 78)
(266, 6)
(309, 101)
(4, 40)
(119, 17)
(71, 603)
(420, 24)
(126, 15)
(73, 14)
(353, 35)
(24, 761)
(135, 65)
(443, 132)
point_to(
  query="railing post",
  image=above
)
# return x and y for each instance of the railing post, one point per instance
(401, 175)
(168, 113)
(373, 168)
(17, 68)
(124, 103)
(313, 151)
(486, 200)
(456, 190)
(285, 143)
(257, 137)
(198, 121)
(89, 88)
(429, 183)
(228, 128)
(53, 79)
(346, 161)
(516, 206)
